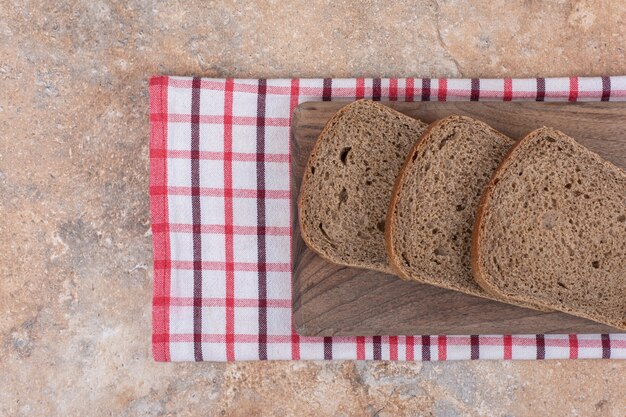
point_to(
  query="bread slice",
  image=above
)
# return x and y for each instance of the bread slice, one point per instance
(436, 194)
(551, 229)
(348, 180)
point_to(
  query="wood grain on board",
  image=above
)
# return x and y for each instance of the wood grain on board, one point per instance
(334, 300)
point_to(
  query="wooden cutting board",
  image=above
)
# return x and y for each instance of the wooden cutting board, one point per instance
(333, 300)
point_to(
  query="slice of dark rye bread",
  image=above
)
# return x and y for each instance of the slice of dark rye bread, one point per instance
(348, 180)
(436, 194)
(551, 229)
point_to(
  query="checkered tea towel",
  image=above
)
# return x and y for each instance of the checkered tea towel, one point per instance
(220, 207)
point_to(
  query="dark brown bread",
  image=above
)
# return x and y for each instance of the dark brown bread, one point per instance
(348, 180)
(551, 229)
(431, 215)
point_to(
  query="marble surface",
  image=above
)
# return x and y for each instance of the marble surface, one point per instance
(75, 271)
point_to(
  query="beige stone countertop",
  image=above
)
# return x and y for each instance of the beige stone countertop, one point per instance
(76, 254)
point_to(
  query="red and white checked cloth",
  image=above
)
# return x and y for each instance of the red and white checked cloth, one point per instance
(220, 207)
